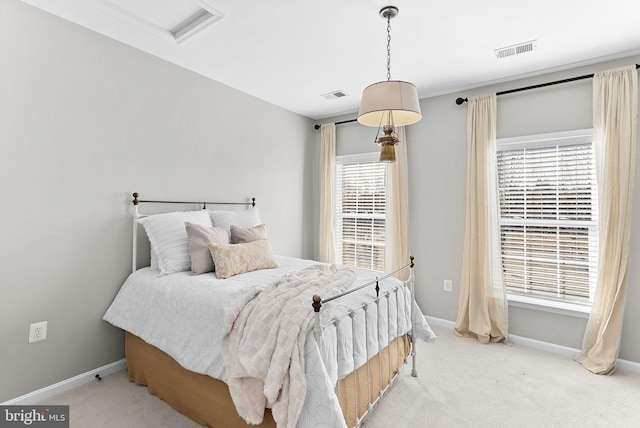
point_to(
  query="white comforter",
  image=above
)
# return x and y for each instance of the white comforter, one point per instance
(183, 315)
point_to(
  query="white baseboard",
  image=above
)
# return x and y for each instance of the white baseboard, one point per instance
(630, 366)
(68, 384)
(566, 351)
(441, 322)
(84, 378)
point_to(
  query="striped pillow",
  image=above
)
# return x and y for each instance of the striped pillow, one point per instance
(169, 240)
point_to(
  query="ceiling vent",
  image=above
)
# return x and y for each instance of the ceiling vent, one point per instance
(335, 95)
(518, 49)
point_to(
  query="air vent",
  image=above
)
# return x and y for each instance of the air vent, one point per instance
(518, 49)
(335, 94)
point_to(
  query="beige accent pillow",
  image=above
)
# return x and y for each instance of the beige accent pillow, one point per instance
(242, 235)
(199, 237)
(232, 259)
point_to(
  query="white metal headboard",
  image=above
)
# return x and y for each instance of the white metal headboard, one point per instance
(136, 215)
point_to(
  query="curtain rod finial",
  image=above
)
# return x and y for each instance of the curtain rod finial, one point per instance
(461, 100)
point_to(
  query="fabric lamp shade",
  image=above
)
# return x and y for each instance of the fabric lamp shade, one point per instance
(393, 98)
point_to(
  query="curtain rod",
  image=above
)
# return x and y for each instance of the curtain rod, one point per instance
(541, 85)
(316, 127)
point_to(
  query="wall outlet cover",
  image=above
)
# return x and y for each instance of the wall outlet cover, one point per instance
(37, 331)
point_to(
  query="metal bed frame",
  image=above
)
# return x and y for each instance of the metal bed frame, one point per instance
(317, 303)
(318, 328)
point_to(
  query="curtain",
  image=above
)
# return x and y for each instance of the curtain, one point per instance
(326, 227)
(397, 214)
(615, 113)
(482, 305)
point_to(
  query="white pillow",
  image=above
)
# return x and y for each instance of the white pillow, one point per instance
(169, 240)
(154, 260)
(248, 218)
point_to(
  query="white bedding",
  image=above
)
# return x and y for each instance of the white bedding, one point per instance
(183, 315)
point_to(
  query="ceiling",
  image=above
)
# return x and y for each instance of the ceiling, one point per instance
(291, 52)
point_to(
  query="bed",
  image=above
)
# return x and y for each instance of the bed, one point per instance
(196, 338)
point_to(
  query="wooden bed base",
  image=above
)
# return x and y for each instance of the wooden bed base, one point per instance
(207, 401)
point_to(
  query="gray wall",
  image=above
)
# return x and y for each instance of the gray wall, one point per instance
(85, 121)
(437, 160)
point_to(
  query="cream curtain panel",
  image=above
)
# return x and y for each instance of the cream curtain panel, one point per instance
(482, 306)
(615, 115)
(397, 214)
(326, 229)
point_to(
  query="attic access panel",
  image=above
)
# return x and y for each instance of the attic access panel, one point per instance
(176, 20)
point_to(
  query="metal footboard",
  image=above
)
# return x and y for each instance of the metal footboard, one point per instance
(381, 300)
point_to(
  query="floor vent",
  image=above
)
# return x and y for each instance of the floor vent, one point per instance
(518, 49)
(335, 94)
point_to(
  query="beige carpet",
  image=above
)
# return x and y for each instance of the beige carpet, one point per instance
(461, 383)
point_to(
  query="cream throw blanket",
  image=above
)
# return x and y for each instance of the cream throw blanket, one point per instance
(266, 331)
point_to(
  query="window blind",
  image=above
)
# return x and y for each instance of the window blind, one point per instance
(548, 218)
(361, 206)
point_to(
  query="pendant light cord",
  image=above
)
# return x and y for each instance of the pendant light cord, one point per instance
(389, 16)
(388, 47)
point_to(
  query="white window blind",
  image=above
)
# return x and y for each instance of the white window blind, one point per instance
(548, 215)
(361, 208)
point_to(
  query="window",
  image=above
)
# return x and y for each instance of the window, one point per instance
(548, 215)
(360, 211)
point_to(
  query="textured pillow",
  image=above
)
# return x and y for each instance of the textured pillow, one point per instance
(153, 264)
(225, 219)
(242, 235)
(199, 236)
(169, 240)
(232, 259)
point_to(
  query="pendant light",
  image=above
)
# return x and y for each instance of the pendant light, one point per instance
(389, 103)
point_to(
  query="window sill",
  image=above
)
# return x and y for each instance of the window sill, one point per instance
(536, 303)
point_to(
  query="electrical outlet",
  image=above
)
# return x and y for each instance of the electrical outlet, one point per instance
(37, 331)
(448, 285)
